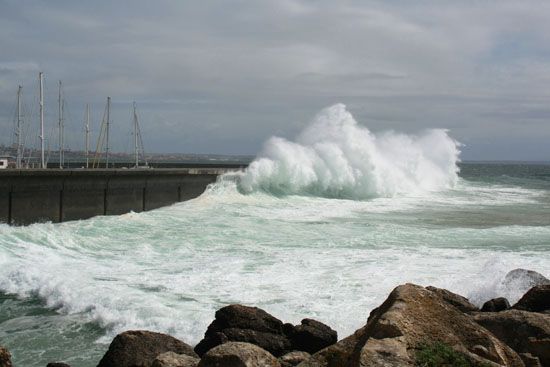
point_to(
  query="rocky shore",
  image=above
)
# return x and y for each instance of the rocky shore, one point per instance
(414, 326)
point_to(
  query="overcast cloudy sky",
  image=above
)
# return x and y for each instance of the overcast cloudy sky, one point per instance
(223, 76)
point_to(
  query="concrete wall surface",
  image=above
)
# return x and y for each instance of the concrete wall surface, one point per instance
(56, 195)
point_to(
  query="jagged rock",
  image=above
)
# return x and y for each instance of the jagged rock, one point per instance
(454, 299)
(240, 323)
(237, 354)
(5, 357)
(410, 317)
(171, 359)
(57, 364)
(311, 336)
(293, 358)
(537, 299)
(525, 332)
(495, 305)
(140, 348)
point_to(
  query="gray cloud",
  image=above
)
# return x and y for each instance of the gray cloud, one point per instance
(221, 77)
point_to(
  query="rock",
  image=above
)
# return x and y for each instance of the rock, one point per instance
(293, 358)
(5, 357)
(171, 359)
(411, 317)
(495, 305)
(57, 364)
(530, 360)
(537, 299)
(525, 279)
(312, 336)
(454, 299)
(140, 348)
(245, 324)
(252, 325)
(525, 332)
(237, 354)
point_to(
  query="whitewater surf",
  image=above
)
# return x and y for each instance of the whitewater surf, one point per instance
(321, 226)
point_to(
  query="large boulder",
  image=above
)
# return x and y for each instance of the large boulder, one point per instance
(140, 348)
(5, 357)
(495, 305)
(171, 359)
(237, 354)
(525, 332)
(252, 325)
(454, 299)
(411, 317)
(537, 299)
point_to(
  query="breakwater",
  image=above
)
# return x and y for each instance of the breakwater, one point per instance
(58, 195)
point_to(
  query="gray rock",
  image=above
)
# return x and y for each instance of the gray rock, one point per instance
(171, 359)
(237, 354)
(524, 279)
(252, 325)
(57, 364)
(495, 305)
(140, 348)
(311, 336)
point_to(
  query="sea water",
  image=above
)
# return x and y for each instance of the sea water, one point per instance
(321, 226)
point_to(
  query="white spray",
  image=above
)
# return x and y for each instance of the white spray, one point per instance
(336, 157)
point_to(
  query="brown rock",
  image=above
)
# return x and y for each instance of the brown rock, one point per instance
(139, 348)
(237, 354)
(293, 358)
(537, 299)
(410, 317)
(525, 332)
(495, 305)
(5, 357)
(171, 359)
(454, 299)
(530, 360)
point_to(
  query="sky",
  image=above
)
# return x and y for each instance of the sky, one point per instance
(222, 77)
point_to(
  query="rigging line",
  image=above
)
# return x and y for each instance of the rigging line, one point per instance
(100, 138)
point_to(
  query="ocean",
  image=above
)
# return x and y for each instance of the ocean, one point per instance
(323, 226)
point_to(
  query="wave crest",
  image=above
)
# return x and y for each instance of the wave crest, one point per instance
(336, 157)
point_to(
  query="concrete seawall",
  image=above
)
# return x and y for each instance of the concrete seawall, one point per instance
(30, 196)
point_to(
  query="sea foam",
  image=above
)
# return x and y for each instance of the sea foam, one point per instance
(336, 157)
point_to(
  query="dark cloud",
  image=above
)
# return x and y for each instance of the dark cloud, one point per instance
(221, 77)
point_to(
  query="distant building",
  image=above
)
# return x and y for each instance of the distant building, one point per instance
(7, 161)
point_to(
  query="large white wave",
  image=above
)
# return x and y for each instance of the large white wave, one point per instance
(336, 157)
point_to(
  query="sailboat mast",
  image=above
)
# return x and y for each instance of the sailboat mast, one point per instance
(19, 129)
(41, 83)
(107, 133)
(136, 151)
(61, 127)
(87, 134)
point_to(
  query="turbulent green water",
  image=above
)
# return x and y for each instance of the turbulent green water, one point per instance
(323, 227)
(69, 288)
